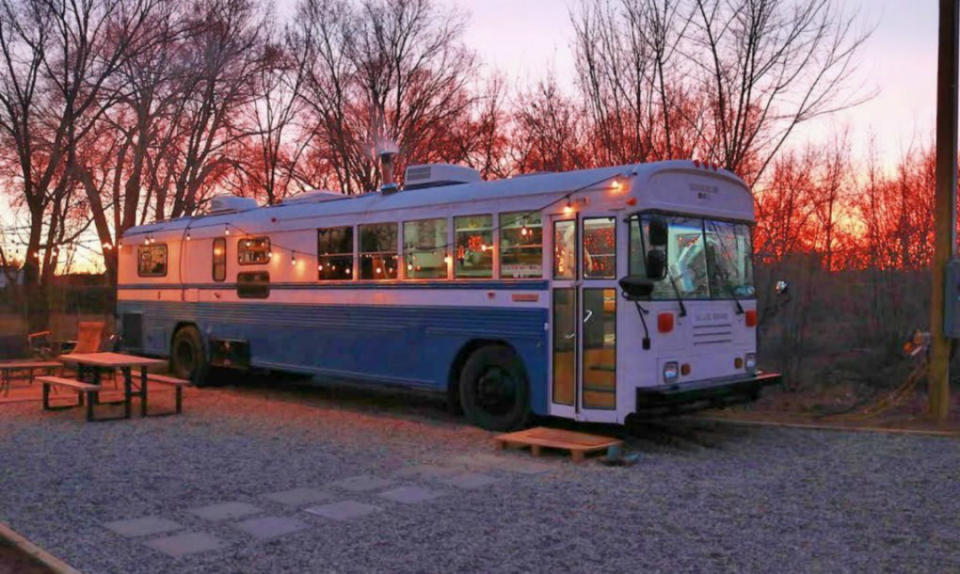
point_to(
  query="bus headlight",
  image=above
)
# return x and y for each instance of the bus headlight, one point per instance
(750, 362)
(670, 371)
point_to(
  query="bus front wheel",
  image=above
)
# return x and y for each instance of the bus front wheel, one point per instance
(494, 392)
(187, 358)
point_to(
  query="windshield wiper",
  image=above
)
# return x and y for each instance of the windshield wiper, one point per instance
(733, 293)
(683, 308)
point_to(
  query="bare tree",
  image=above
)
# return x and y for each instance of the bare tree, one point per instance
(382, 70)
(725, 80)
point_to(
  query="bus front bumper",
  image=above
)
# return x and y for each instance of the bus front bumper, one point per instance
(711, 391)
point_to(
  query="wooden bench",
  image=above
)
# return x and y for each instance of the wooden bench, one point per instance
(178, 385)
(81, 388)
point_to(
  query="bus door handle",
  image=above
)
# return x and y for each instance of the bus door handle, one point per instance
(589, 314)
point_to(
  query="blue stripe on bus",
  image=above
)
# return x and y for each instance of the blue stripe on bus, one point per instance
(483, 285)
(410, 345)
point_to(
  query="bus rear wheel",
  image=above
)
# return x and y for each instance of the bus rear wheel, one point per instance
(494, 391)
(187, 358)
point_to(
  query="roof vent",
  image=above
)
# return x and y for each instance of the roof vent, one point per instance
(230, 204)
(438, 174)
(314, 196)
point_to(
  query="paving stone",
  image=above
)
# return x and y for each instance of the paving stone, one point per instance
(344, 510)
(184, 544)
(299, 496)
(362, 483)
(428, 471)
(225, 511)
(409, 494)
(142, 526)
(267, 527)
(507, 463)
(469, 480)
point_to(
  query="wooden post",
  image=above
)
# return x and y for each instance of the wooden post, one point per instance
(945, 211)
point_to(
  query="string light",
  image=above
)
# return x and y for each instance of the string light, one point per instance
(226, 229)
(319, 267)
(293, 258)
(188, 235)
(568, 208)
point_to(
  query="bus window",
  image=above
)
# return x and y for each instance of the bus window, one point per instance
(335, 253)
(565, 249)
(219, 259)
(253, 250)
(521, 245)
(378, 251)
(152, 260)
(425, 248)
(474, 241)
(253, 285)
(599, 248)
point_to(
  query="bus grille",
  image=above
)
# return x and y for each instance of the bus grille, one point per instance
(712, 334)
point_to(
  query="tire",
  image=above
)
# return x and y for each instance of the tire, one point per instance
(187, 357)
(494, 391)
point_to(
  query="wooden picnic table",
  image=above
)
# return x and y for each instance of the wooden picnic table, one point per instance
(96, 363)
(8, 367)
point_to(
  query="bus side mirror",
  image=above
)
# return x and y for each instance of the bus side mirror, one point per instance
(636, 287)
(657, 230)
(656, 264)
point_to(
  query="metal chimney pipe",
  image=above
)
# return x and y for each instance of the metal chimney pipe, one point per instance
(388, 185)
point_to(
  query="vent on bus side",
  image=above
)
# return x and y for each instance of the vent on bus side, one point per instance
(438, 174)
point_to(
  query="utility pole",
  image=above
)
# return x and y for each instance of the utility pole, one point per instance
(945, 211)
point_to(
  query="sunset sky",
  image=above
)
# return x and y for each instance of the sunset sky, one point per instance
(527, 39)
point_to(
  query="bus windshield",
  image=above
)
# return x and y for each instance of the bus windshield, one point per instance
(706, 258)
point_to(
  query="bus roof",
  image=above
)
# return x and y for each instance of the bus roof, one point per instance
(555, 184)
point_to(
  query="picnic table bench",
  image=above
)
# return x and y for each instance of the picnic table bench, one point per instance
(82, 389)
(7, 368)
(89, 371)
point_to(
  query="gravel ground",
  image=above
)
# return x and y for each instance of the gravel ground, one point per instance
(704, 497)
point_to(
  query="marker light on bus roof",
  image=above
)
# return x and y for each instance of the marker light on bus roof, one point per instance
(568, 208)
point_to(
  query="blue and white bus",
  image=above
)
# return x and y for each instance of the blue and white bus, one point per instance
(589, 295)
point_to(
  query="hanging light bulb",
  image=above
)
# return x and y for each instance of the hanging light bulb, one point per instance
(568, 208)
(319, 267)
(349, 270)
(523, 230)
(616, 186)
(293, 258)
(188, 235)
(226, 229)
(379, 270)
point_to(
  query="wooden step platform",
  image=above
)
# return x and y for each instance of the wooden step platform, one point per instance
(537, 438)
